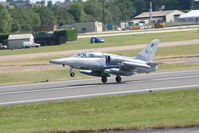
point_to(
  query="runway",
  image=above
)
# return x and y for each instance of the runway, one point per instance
(174, 130)
(51, 91)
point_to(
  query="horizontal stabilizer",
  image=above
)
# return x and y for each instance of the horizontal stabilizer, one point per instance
(134, 64)
(155, 63)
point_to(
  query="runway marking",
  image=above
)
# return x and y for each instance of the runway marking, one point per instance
(99, 94)
(75, 80)
(70, 87)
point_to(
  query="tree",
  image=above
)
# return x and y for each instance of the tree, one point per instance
(67, 1)
(24, 19)
(127, 9)
(5, 20)
(50, 4)
(46, 15)
(114, 13)
(76, 9)
(62, 16)
(9, 1)
(94, 10)
(177, 4)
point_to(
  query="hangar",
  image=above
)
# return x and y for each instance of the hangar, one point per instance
(192, 16)
(163, 16)
(84, 27)
(16, 41)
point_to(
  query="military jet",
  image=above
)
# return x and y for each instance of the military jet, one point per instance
(104, 65)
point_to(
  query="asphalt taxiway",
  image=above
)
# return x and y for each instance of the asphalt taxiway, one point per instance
(51, 91)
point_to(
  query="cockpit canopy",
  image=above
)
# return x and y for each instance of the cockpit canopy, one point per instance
(90, 55)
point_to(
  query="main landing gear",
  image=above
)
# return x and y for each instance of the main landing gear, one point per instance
(104, 79)
(118, 79)
(72, 74)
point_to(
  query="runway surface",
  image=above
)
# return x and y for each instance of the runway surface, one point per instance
(176, 130)
(51, 91)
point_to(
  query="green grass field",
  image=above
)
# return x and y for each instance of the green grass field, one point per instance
(109, 41)
(165, 109)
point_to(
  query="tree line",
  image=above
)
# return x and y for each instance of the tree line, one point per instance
(106, 11)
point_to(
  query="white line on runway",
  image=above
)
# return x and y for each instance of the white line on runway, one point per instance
(99, 94)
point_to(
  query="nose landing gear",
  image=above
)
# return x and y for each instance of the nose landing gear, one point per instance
(72, 74)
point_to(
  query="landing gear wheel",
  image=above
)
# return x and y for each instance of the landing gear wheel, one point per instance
(104, 79)
(72, 74)
(118, 79)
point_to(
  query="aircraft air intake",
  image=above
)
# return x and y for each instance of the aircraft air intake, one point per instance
(108, 60)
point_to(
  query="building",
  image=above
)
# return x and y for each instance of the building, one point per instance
(62, 4)
(84, 27)
(44, 28)
(192, 16)
(194, 4)
(27, 4)
(7, 5)
(16, 41)
(163, 16)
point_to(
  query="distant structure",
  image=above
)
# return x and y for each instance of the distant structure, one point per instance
(27, 4)
(62, 4)
(192, 16)
(44, 28)
(20, 4)
(163, 16)
(195, 4)
(84, 27)
(7, 5)
(16, 41)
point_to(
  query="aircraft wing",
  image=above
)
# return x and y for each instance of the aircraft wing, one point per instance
(135, 64)
(113, 66)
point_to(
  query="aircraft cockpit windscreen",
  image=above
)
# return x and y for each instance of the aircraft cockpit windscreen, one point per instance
(90, 55)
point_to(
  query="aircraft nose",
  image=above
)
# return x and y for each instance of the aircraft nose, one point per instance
(65, 61)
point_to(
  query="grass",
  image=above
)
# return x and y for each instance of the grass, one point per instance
(177, 108)
(163, 52)
(180, 23)
(167, 52)
(28, 61)
(109, 42)
(33, 76)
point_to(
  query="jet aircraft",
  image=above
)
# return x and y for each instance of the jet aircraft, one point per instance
(104, 65)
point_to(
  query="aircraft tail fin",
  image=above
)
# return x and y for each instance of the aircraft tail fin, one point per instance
(148, 53)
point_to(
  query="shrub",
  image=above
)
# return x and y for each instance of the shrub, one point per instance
(3, 37)
(69, 34)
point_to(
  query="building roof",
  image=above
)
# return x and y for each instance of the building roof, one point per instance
(7, 4)
(154, 14)
(20, 36)
(191, 14)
